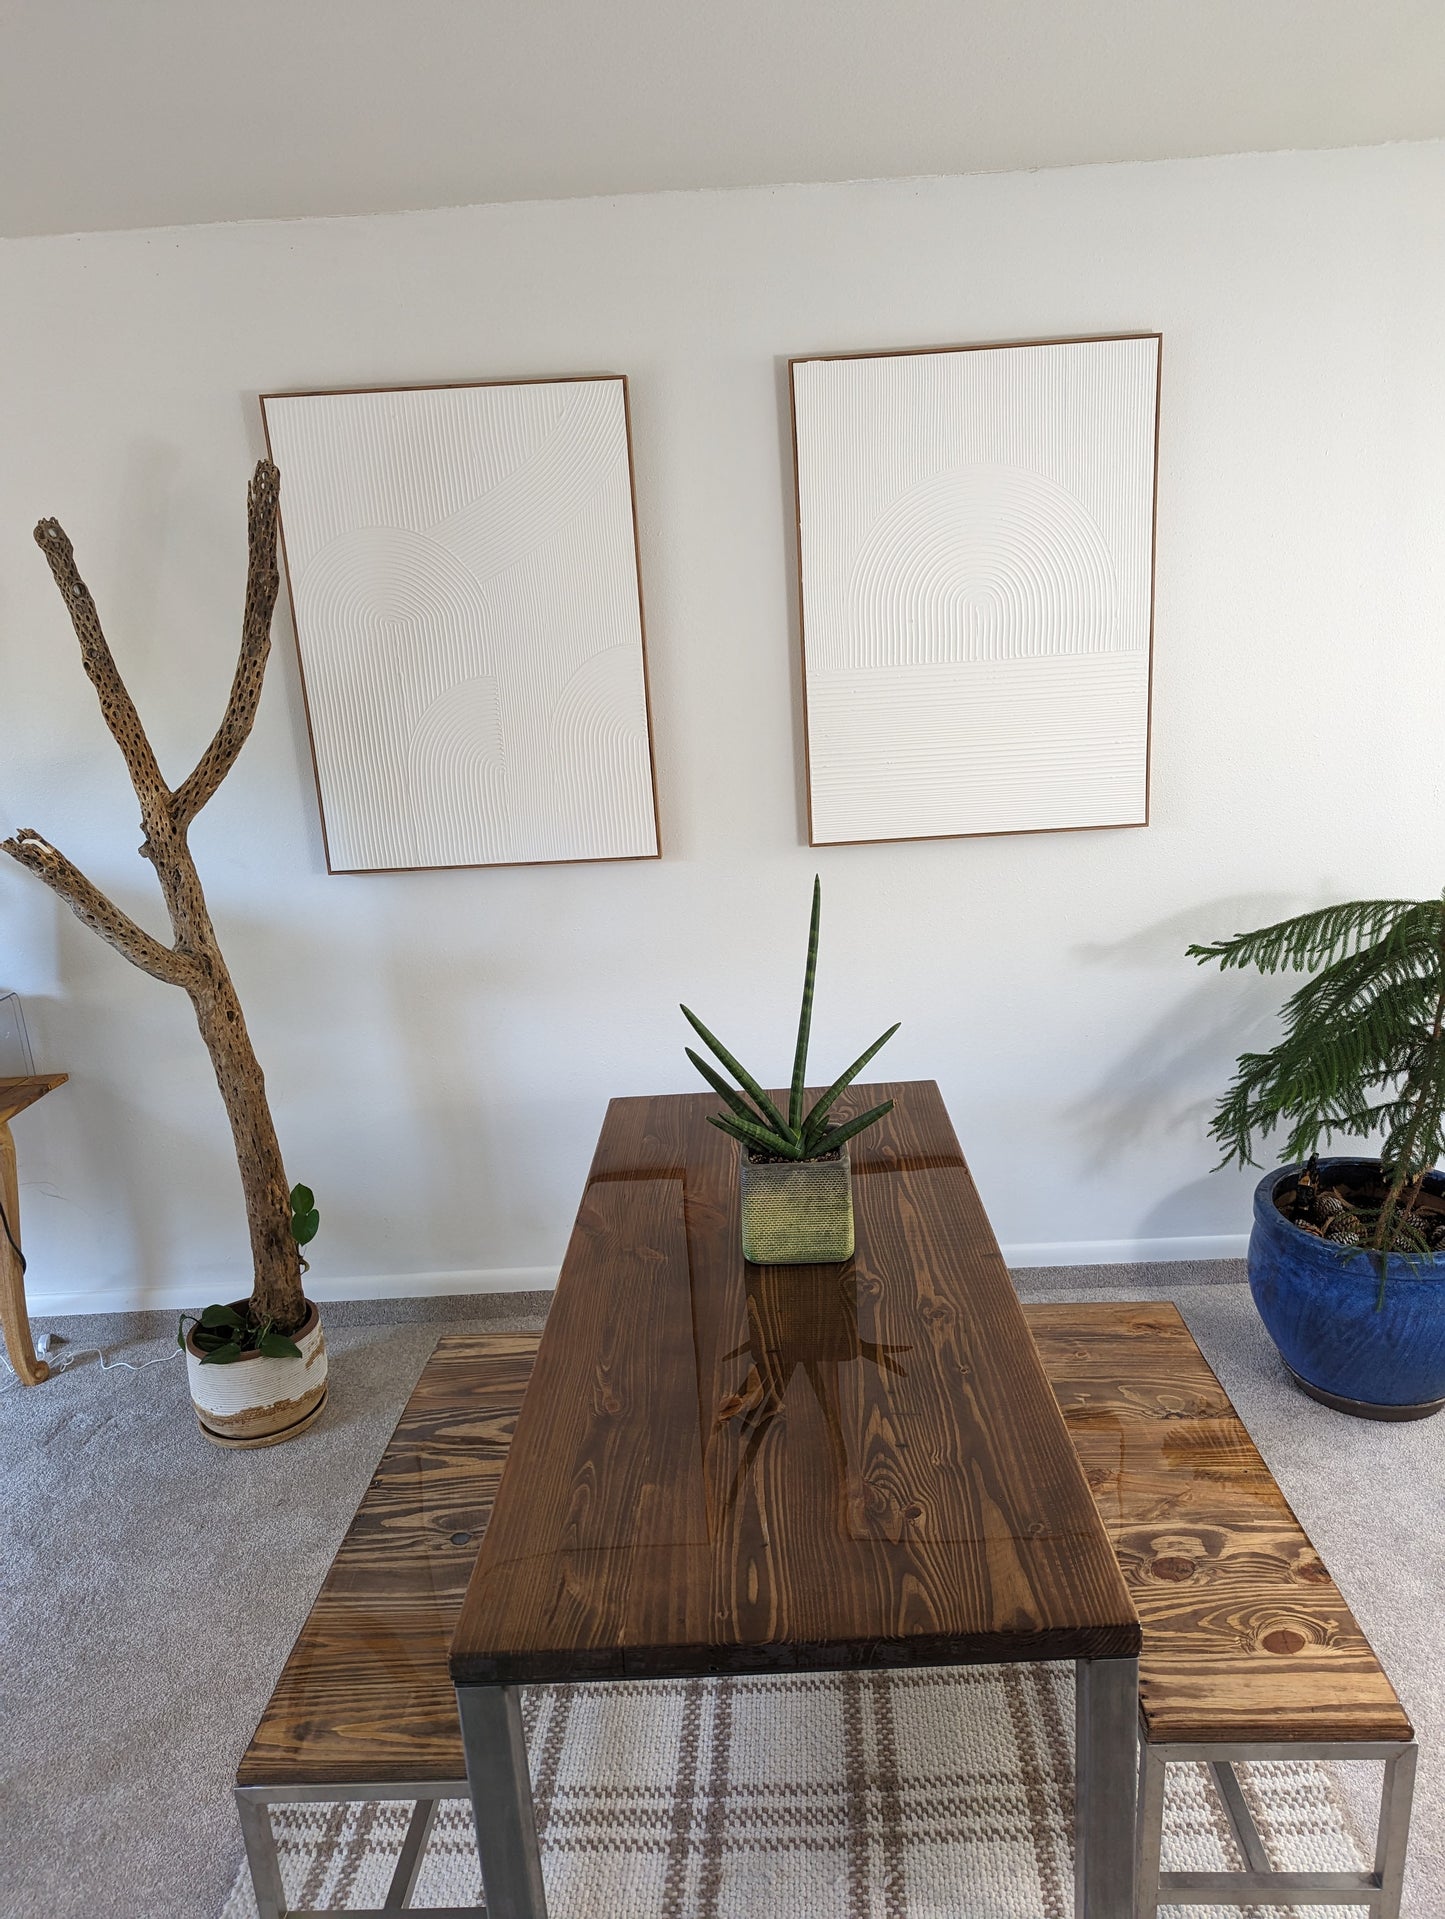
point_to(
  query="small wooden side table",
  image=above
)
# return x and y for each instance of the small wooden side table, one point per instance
(15, 1096)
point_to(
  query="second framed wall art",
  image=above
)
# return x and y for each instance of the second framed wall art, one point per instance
(463, 571)
(976, 542)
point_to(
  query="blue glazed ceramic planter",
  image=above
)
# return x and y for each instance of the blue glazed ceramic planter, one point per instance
(1318, 1305)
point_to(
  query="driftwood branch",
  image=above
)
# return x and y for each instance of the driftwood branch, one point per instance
(195, 962)
(262, 583)
(115, 702)
(99, 913)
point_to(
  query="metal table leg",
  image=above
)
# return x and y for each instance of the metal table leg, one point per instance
(501, 1789)
(1106, 1771)
(261, 1856)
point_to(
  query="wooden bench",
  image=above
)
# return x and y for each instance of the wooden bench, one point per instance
(1249, 1648)
(364, 1708)
(1250, 1651)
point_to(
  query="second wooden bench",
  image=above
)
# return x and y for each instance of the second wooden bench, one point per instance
(1250, 1651)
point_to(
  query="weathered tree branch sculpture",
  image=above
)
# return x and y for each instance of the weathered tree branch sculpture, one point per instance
(194, 962)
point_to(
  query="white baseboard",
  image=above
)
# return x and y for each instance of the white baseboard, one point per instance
(1125, 1252)
(491, 1279)
(536, 1279)
(187, 1299)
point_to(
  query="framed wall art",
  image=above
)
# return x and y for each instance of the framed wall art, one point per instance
(976, 569)
(462, 564)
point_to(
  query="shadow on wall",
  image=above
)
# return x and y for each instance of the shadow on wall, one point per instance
(379, 1068)
(93, 1215)
(135, 598)
(447, 1023)
(1168, 1083)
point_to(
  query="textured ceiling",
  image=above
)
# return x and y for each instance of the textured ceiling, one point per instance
(149, 112)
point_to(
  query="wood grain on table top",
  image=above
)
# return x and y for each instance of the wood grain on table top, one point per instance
(1246, 1635)
(727, 1468)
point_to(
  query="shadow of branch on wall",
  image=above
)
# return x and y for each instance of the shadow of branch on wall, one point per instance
(1169, 1081)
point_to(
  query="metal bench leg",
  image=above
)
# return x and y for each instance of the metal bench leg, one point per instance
(1152, 1771)
(413, 1847)
(1394, 1834)
(1379, 1890)
(501, 1788)
(1241, 1820)
(1106, 1770)
(260, 1840)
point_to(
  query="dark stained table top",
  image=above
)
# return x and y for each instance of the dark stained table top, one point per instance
(730, 1468)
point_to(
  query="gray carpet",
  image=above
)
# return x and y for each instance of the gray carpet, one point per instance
(151, 1585)
(142, 1631)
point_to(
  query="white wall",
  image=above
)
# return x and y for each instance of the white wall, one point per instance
(440, 1047)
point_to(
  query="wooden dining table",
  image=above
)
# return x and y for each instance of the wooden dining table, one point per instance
(725, 1468)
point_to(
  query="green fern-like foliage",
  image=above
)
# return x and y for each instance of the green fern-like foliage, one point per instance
(753, 1118)
(1363, 1048)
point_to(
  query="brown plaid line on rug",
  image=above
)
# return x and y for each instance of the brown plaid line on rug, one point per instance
(940, 1793)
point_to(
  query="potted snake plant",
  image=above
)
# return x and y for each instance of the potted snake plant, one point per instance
(796, 1184)
(1347, 1254)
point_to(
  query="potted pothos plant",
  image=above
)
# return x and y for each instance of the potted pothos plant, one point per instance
(240, 1408)
(281, 1387)
(796, 1184)
(1347, 1253)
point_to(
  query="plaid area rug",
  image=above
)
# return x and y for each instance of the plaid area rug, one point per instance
(932, 1794)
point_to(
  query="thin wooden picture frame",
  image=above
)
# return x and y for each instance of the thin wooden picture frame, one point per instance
(443, 386)
(968, 347)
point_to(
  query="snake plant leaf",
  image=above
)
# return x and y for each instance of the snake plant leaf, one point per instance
(741, 1074)
(761, 1125)
(720, 1086)
(838, 1135)
(805, 1017)
(813, 1125)
(759, 1136)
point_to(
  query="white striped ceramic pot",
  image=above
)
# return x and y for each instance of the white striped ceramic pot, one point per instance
(256, 1401)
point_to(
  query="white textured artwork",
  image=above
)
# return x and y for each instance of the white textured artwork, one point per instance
(463, 573)
(976, 534)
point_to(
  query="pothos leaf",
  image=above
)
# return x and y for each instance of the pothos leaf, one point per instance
(207, 1341)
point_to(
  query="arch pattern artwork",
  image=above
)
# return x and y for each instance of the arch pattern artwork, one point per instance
(463, 572)
(976, 541)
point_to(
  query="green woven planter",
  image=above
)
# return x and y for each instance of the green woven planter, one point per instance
(797, 1212)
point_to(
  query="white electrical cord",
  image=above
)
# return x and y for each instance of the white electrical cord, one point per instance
(87, 1352)
(81, 1352)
